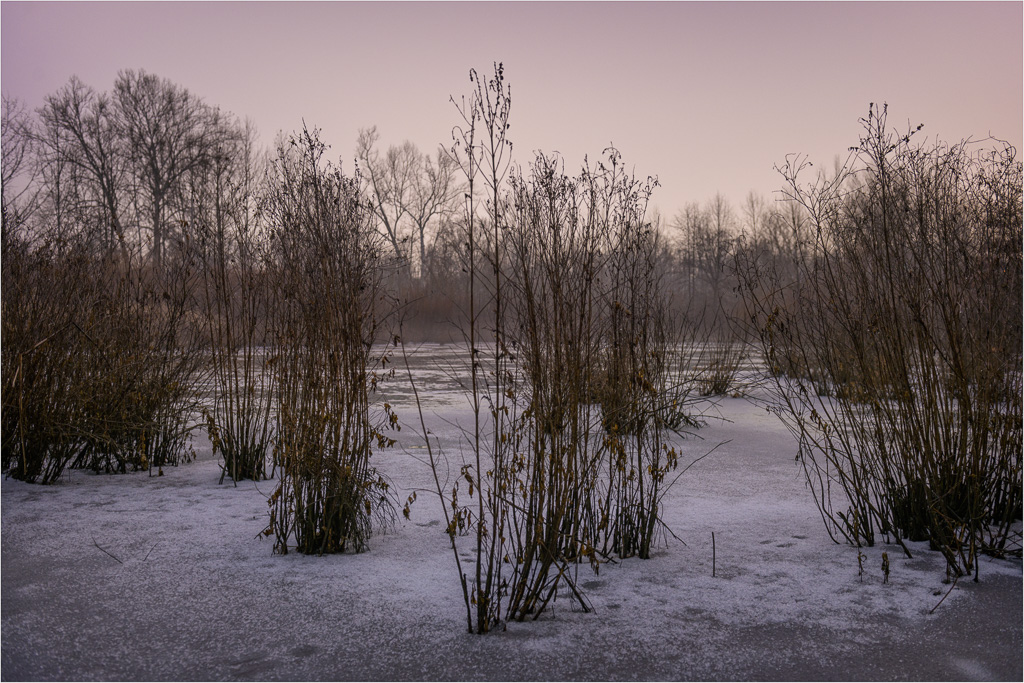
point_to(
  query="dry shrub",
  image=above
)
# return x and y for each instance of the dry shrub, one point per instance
(233, 243)
(100, 355)
(327, 308)
(568, 452)
(41, 365)
(908, 323)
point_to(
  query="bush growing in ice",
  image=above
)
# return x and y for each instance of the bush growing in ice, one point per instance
(905, 317)
(327, 306)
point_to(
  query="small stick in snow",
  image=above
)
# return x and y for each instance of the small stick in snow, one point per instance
(105, 550)
(945, 596)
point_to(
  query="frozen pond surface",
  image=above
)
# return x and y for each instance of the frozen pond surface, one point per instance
(194, 594)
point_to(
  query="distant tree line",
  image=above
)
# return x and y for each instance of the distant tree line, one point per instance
(148, 167)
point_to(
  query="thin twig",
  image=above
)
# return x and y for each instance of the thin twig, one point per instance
(106, 551)
(945, 596)
(668, 529)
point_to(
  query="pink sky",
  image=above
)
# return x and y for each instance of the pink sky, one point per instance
(708, 96)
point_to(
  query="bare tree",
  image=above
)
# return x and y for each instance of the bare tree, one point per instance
(755, 213)
(687, 224)
(390, 184)
(434, 191)
(410, 192)
(17, 153)
(715, 245)
(85, 160)
(707, 239)
(168, 134)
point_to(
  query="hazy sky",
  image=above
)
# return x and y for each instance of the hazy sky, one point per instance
(708, 96)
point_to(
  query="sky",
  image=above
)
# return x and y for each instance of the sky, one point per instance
(709, 97)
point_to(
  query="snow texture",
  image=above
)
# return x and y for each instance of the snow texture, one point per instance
(135, 577)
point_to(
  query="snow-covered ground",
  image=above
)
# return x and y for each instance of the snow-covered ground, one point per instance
(138, 577)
